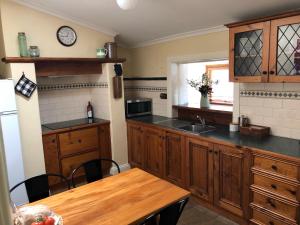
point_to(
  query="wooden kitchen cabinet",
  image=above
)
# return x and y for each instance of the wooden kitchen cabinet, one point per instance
(200, 168)
(51, 157)
(265, 49)
(174, 158)
(231, 179)
(154, 140)
(66, 149)
(135, 146)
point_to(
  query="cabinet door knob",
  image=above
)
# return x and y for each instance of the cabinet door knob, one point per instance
(273, 186)
(271, 223)
(274, 167)
(272, 72)
(265, 72)
(53, 140)
(210, 151)
(79, 140)
(216, 153)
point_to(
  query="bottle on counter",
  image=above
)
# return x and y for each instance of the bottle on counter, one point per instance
(90, 112)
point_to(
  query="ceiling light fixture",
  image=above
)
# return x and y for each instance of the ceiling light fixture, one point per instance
(127, 4)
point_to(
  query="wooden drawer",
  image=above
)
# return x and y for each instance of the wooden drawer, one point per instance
(71, 163)
(275, 206)
(264, 219)
(276, 166)
(78, 141)
(275, 186)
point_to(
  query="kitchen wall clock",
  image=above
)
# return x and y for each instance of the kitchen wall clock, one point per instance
(66, 36)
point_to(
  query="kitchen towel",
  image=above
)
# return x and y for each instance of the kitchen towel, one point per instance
(25, 86)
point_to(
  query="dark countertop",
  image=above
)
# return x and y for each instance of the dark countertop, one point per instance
(61, 126)
(279, 145)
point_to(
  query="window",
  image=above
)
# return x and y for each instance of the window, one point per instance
(223, 90)
(217, 70)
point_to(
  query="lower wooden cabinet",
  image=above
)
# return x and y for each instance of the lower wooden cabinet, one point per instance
(65, 150)
(200, 168)
(174, 158)
(231, 179)
(135, 145)
(153, 150)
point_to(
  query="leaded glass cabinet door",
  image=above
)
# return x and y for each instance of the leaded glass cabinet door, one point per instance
(285, 50)
(249, 52)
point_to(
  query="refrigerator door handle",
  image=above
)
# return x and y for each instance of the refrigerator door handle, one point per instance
(8, 113)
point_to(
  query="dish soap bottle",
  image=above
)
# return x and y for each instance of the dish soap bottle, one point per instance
(90, 113)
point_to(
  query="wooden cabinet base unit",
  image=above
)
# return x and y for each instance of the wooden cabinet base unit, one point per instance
(240, 183)
(65, 150)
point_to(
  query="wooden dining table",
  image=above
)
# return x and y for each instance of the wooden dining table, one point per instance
(126, 198)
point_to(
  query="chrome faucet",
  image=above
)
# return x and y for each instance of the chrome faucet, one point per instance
(202, 120)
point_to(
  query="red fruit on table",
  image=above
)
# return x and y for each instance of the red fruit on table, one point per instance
(49, 221)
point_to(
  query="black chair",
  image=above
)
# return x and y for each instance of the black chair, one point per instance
(38, 187)
(167, 216)
(93, 170)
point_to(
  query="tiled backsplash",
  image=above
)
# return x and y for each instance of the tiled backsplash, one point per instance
(66, 98)
(148, 89)
(273, 105)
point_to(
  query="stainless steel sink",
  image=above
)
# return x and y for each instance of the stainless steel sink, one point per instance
(198, 128)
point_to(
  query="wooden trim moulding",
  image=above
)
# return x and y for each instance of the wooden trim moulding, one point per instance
(294, 12)
(59, 59)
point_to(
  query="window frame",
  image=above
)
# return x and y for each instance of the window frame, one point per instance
(209, 69)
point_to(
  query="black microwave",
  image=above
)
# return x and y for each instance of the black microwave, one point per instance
(138, 107)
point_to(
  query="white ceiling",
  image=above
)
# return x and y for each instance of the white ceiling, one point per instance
(156, 19)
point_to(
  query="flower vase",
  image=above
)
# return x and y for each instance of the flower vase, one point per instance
(204, 103)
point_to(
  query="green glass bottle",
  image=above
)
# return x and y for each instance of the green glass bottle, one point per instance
(22, 44)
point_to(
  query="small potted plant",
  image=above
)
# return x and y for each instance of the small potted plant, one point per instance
(204, 87)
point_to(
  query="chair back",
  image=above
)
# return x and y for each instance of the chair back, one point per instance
(167, 216)
(92, 170)
(38, 187)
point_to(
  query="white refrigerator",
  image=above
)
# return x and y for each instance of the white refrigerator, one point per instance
(9, 125)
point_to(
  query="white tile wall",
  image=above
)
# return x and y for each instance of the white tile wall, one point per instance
(68, 104)
(159, 105)
(282, 115)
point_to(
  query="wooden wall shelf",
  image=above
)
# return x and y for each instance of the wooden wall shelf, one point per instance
(51, 66)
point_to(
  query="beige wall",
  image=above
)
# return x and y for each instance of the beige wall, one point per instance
(126, 53)
(40, 29)
(153, 60)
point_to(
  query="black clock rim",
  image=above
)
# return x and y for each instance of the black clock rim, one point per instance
(57, 36)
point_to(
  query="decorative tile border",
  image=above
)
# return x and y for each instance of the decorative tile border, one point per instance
(51, 87)
(270, 94)
(146, 88)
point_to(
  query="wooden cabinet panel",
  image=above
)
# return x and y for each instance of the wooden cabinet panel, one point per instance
(200, 168)
(71, 163)
(174, 158)
(278, 167)
(279, 207)
(51, 157)
(105, 147)
(135, 146)
(277, 187)
(154, 147)
(231, 190)
(78, 141)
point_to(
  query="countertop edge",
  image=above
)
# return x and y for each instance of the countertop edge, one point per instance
(49, 132)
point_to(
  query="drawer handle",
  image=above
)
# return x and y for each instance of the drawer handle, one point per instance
(79, 140)
(216, 153)
(274, 167)
(53, 141)
(292, 192)
(271, 203)
(273, 186)
(271, 223)
(210, 151)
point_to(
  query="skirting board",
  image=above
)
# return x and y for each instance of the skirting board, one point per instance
(123, 167)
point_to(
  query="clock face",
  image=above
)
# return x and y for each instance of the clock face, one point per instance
(66, 36)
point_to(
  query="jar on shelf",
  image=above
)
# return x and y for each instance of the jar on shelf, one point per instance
(34, 51)
(22, 44)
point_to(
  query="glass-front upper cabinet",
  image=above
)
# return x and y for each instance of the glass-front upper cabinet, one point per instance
(285, 50)
(249, 51)
(265, 49)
